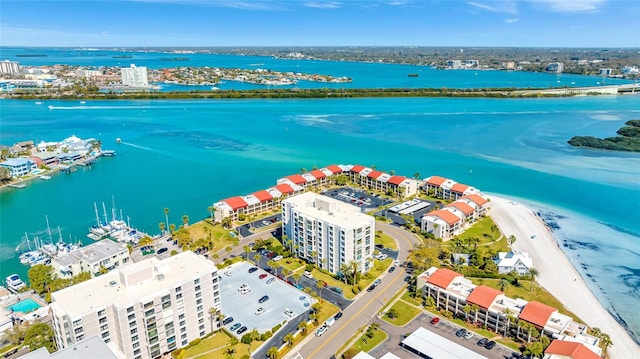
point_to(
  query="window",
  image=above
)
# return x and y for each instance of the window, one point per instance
(136, 345)
(102, 313)
(199, 301)
(136, 352)
(183, 336)
(178, 289)
(79, 337)
(104, 327)
(196, 281)
(77, 322)
(134, 338)
(202, 333)
(132, 324)
(103, 320)
(134, 331)
(201, 320)
(183, 323)
(179, 296)
(149, 312)
(181, 316)
(130, 310)
(199, 308)
(148, 305)
(198, 294)
(105, 335)
(197, 288)
(78, 330)
(132, 317)
(184, 342)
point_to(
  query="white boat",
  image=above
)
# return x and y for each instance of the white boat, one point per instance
(108, 153)
(14, 283)
(38, 103)
(83, 102)
(45, 177)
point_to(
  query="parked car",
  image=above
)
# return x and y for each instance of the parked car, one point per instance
(271, 280)
(321, 330)
(461, 332)
(235, 326)
(228, 273)
(371, 287)
(242, 330)
(330, 321)
(377, 282)
(277, 258)
(263, 299)
(162, 250)
(308, 274)
(482, 342)
(260, 310)
(392, 269)
(337, 316)
(288, 312)
(490, 344)
(263, 276)
(435, 320)
(468, 335)
(253, 269)
(227, 320)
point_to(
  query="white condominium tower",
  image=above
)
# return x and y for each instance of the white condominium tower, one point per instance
(134, 76)
(328, 232)
(144, 309)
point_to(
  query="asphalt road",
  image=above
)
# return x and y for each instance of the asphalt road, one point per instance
(365, 305)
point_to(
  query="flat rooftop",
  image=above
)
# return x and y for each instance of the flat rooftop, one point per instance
(433, 345)
(94, 252)
(132, 283)
(330, 210)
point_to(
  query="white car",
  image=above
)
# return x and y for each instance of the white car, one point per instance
(288, 312)
(277, 258)
(321, 330)
(260, 311)
(308, 274)
(228, 273)
(468, 335)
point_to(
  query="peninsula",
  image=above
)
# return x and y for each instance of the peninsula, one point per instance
(628, 139)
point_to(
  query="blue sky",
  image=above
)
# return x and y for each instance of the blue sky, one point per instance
(518, 23)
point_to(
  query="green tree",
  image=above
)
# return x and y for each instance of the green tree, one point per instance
(162, 227)
(166, 216)
(5, 174)
(288, 339)
(466, 309)
(272, 353)
(494, 230)
(40, 335)
(40, 277)
(416, 176)
(504, 283)
(511, 240)
(210, 209)
(145, 241)
(185, 220)
(257, 257)
(532, 272)
(227, 222)
(392, 313)
(216, 315)
(303, 326)
(297, 276)
(273, 265)
(320, 284)
(246, 251)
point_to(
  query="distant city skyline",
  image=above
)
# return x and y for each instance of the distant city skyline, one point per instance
(236, 23)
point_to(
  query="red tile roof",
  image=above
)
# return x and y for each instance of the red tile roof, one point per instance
(374, 174)
(537, 313)
(236, 202)
(445, 215)
(284, 188)
(297, 179)
(263, 196)
(477, 199)
(436, 180)
(465, 208)
(442, 277)
(483, 296)
(335, 169)
(571, 349)
(318, 174)
(357, 168)
(459, 188)
(396, 180)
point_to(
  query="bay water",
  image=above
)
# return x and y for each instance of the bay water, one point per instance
(187, 154)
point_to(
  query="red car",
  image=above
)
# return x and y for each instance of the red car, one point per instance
(435, 320)
(263, 276)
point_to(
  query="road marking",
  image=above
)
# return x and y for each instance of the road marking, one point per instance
(398, 275)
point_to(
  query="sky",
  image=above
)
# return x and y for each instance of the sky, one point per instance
(194, 23)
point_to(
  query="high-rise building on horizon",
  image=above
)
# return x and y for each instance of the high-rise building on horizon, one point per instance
(134, 76)
(143, 309)
(328, 232)
(9, 67)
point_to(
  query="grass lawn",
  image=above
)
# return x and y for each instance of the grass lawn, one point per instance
(405, 312)
(386, 241)
(221, 237)
(217, 343)
(407, 298)
(538, 294)
(365, 343)
(482, 231)
(347, 292)
(293, 264)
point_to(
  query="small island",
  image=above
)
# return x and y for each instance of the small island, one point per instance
(628, 139)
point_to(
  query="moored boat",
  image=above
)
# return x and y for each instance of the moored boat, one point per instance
(14, 283)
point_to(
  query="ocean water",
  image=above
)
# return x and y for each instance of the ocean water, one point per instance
(187, 154)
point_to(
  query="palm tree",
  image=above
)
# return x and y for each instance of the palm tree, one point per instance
(272, 353)
(510, 319)
(475, 308)
(511, 240)
(210, 209)
(286, 272)
(354, 267)
(166, 216)
(215, 256)
(533, 273)
(215, 313)
(288, 339)
(246, 250)
(494, 230)
(466, 309)
(303, 326)
(345, 270)
(320, 285)
(416, 176)
(162, 227)
(185, 221)
(257, 257)
(227, 222)
(172, 228)
(504, 283)
(297, 276)
(273, 265)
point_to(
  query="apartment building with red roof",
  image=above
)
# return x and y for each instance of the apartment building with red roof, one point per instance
(442, 223)
(254, 203)
(479, 203)
(499, 313)
(463, 211)
(562, 349)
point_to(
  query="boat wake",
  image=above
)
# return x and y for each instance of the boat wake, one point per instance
(138, 146)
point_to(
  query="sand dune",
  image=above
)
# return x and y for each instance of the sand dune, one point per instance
(557, 274)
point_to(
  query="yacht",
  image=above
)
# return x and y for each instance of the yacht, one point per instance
(14, 283)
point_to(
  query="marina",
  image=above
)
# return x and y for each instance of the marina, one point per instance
(115, 229)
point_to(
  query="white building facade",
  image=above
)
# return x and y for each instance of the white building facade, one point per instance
(144, 309)
(105, 254)
(134, 76)
(328, 232)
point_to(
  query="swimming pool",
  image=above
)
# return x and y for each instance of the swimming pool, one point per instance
(25, 306)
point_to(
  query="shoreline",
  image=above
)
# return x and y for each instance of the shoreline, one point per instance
(570, 287)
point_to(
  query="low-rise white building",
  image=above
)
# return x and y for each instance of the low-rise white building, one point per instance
(520, 262)
(103, 254)
(144, 309)
(328, 232)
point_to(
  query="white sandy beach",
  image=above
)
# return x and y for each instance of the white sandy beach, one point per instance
(557, 274)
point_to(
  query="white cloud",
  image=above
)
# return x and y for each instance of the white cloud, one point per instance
(511, 21)
(569, 6)
(323, 5)
(505, 6)
(234, 4)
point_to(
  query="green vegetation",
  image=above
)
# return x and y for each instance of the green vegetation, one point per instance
(44, 281)
(385, 240)
(628, 139)
(217, 345)
(401, 313)
(371, 337)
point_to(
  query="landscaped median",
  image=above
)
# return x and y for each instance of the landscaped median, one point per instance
(350, 291)
(364, 340)
(218, 345)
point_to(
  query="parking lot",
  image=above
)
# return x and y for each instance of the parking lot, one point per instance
(243, 307)
(162, 248)
(245, 230)
(357, 197)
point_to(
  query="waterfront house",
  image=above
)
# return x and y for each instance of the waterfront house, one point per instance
(442, 223)
(463, 211)
(255, 203)
(459, 190)
(514, 261)
(24, 145)
(45, 158)
(478, 203)
(544, 318)
(103, 254)
(230, 207)
(19, 167)
(434, 185)
(566, 349)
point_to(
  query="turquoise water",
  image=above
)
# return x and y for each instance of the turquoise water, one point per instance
(187, 154)
(25, 306)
